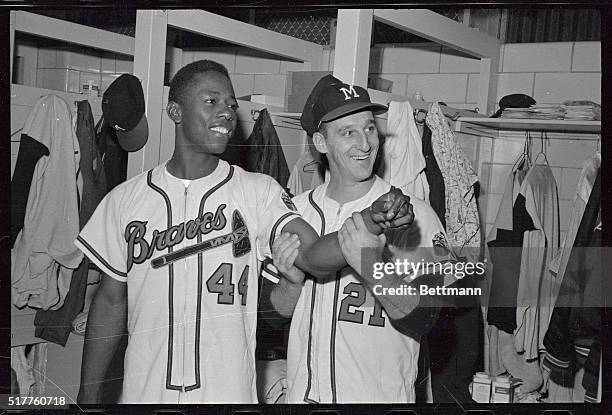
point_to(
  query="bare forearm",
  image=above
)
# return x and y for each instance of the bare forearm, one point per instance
(322, 257)
(284, 296)
(105, 326)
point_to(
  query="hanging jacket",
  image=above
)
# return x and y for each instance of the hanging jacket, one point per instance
(265, 153)
(583, 191)
(113, 156)
(55, 325)
(505, 241)
(44, 256)
(576, 323)
(591, 381)
(462, 221)
(537, 288)
(403, 163)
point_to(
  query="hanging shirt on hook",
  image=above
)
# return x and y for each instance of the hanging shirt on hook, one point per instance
(403, 163)
(537, 288)
(462, 221)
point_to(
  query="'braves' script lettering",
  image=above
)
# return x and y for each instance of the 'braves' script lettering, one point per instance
(139, 249)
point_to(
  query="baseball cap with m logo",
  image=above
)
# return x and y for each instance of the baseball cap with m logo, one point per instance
(331, 99)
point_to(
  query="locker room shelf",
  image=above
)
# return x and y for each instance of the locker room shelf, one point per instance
(491, 126)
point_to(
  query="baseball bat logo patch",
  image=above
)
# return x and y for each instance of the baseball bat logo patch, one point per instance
(239, 238)
(140, 249)
(440, 244)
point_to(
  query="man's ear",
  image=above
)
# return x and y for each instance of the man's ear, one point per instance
(174, 112)
(319, 142)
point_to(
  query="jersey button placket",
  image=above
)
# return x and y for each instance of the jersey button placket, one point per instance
(184, 294)
(325, 386)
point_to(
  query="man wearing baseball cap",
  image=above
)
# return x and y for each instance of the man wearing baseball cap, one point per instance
(349, 342)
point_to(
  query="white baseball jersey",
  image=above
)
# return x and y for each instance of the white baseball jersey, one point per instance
(191, 322)
(342, 347)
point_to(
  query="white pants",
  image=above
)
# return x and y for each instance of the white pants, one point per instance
(271, 381)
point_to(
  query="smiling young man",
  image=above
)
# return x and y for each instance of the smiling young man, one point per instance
(180, 245)
(347, 345)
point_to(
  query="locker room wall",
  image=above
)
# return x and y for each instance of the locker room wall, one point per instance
(550, 72)
(291, 136)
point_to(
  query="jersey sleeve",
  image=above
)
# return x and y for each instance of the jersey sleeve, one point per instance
(102, 241)
(269, 271)
(274, 210)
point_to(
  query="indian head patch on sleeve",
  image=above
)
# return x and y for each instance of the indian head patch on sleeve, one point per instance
(288, 202)
(439, 240)
(440, 244)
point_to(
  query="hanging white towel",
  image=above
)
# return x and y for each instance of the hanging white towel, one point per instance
(403, 162)
(537, 288)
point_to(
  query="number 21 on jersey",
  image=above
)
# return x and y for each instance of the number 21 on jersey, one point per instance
(356, 297)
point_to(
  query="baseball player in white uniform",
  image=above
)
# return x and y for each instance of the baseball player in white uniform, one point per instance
(347, 345)
(180, 246)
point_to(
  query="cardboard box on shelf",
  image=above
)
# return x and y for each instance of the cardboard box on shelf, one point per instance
(481, 388)
(503, 388)
(270, 100)
(302, 82)
(380, 84)
(295, 103)
(90, 83)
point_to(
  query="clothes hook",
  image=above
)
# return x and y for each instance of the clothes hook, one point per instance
(255, 114)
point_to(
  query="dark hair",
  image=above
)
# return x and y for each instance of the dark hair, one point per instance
(183, 78)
